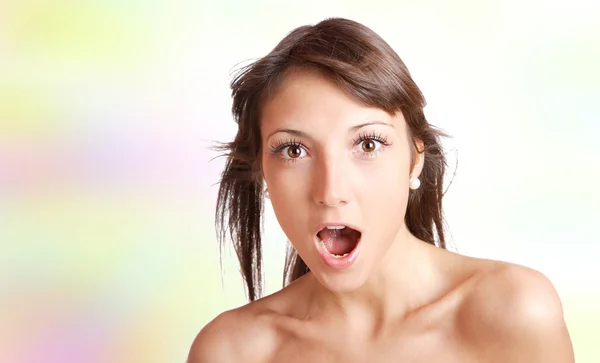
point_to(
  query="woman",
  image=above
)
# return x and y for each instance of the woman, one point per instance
(332, 130)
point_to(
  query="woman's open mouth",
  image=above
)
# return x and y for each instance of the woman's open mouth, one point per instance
(338, 245)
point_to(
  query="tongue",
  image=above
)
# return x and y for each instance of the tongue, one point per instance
(339, 242)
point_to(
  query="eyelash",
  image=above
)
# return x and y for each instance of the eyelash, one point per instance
(372, 136)
(282, 144)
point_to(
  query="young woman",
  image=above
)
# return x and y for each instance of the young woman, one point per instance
(332, 130)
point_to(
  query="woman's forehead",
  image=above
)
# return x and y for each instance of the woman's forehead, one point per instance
(310, 99)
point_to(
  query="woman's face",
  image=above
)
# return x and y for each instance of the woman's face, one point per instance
(330, 162)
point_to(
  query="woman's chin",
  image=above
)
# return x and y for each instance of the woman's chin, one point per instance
(339, 282)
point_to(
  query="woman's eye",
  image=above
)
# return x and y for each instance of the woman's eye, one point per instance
(369, 145)
(293, 152)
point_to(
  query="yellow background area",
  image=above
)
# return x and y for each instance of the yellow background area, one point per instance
(107, 192)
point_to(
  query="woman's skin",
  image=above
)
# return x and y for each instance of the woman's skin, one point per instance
(402, 300)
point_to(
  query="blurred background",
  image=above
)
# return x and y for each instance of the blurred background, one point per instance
(107, 188)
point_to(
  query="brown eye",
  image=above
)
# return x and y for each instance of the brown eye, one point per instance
(294, 152)
(369, 146)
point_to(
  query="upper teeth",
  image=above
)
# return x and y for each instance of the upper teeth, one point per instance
(336, 227)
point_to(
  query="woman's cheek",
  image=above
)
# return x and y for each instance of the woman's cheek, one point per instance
(286, 183)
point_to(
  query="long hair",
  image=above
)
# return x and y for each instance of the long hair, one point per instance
(363, 65)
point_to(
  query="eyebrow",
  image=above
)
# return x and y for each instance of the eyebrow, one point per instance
(299, 133)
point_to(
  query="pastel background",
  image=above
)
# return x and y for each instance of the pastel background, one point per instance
(107, 188)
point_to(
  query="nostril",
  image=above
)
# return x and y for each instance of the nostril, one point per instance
(333, 202)
(331, 198)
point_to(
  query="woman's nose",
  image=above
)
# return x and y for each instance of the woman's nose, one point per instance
(331, 181)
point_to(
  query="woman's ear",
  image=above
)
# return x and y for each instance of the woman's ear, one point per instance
(418, 159)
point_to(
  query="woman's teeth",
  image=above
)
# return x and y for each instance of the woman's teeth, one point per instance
(335, 227)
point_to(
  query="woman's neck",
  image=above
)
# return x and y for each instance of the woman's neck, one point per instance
(404, 281)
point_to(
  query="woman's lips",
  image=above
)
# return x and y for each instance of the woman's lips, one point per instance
(337, 261)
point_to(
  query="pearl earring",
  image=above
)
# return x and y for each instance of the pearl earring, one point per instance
(414, 183)
(267, 194)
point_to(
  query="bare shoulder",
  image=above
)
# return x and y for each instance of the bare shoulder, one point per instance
(514, 314)
(244, 334)
(251, 333)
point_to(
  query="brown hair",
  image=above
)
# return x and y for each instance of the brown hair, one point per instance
(363, 65)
